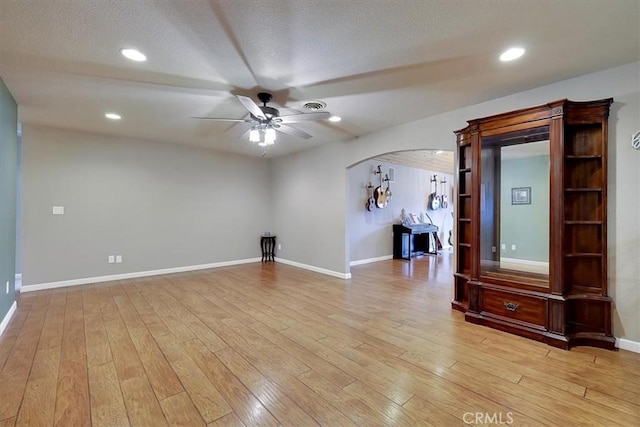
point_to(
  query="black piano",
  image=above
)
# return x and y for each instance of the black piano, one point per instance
(414, 239)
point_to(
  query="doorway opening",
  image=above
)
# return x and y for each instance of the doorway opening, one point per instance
(409, 183)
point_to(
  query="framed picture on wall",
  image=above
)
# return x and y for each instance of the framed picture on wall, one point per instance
(521, 196)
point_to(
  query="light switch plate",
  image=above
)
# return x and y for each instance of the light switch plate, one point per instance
(513, 247)
(118, 259)
(112, 259)
(58, 210)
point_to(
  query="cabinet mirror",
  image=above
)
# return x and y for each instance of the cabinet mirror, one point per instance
(514, 207)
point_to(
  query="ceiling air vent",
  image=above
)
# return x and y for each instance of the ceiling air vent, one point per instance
(314, 105)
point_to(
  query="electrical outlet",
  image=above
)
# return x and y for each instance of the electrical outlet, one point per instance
(503, 246)
(7, 291)
(279, 246)
(118, 259)
(112, 259)
(513, 247)
(58, 210)
(493, 249)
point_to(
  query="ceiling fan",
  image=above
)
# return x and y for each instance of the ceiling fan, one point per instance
(267, 120)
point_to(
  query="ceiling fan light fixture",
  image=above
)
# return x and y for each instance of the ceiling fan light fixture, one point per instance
(133, 54)
(511, 54)
(254, 135)
(335, 118)
(270, 136)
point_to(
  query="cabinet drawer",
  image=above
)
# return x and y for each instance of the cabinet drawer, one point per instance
(515, 306)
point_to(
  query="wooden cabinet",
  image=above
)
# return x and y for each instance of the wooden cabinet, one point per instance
(531, 252)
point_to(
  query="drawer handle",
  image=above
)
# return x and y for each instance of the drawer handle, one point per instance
(511, 306)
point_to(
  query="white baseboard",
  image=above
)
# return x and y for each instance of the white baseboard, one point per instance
(624, 344)
(370, 260)
(99, 279)
(315, 269)
(7, 318)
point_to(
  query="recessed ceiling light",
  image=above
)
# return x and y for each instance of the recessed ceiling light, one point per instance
(511, 54)
(113, 116)
(133, 54)
(335, 118)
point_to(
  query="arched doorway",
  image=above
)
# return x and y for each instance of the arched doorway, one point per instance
(412, 176)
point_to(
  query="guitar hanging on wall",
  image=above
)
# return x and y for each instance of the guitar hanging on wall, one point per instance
(387, 192)
(371, 202)
(379, 193)
(444, 199)
(434, 200)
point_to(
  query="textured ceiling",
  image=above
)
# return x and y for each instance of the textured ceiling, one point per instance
(435, 161)
(376, 63)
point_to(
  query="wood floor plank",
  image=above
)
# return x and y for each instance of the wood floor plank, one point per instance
(429, 413)
(73, 406)
(163, 379)
(389, 412)
(204, 395)
(125, 357)
(39, 400)
(613, 403)
(525, 400)
(276, 401)
(107, 404)
(230, 420)
(451, 397)
(371, 378)
(245, 405)
(14, 375)
(9, 422)
(270, 344)
(583, 405)
(10, 335)
(349, 405)
(142, 406)
(180, 411)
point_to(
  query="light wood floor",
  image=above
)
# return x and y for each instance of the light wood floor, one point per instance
(269, 344)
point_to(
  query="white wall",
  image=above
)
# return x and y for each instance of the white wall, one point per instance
(436, 132)
(370, 233)
(309, 192)
(158, 205)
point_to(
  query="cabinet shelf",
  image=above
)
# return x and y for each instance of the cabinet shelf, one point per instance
(464, 170)
(577, 190)
(583, 157)
(465, 245)
(583, 255)
(465, 195)
(464, 219)
(583, 222)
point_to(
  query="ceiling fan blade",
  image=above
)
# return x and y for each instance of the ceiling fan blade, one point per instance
(293, 131)
(251, 106)
(294, 118)
(216, 119)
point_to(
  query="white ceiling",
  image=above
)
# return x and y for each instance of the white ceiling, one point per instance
(431, 160)
(376, 63)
